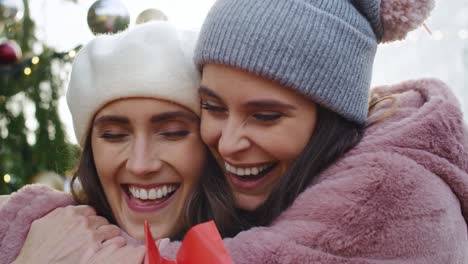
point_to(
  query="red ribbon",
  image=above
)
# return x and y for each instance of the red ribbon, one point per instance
(201, 244)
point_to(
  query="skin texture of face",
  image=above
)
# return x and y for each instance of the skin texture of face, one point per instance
(148, 155)
(254, 127)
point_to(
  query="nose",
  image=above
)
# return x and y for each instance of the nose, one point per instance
(233, 139)
(143, 160)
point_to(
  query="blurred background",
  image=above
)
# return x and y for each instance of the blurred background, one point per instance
(40, 38)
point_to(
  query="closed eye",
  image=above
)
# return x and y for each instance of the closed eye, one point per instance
(267, 117)
(211, 107)
(110, 136)
(175, 135)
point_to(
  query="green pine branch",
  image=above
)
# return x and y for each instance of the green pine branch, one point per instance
(25, 152)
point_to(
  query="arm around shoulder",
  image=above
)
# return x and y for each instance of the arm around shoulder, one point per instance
(384, 209)
(376, 207)
(19, 210)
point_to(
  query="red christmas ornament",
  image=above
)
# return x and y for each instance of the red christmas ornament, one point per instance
(10, 52)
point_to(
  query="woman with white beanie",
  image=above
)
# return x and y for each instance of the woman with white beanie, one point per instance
(133, 99)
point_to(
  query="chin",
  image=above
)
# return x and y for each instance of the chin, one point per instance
(248, 202)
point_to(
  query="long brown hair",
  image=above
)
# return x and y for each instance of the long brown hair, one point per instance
(332, 137)
(89, 190)
(213, 200)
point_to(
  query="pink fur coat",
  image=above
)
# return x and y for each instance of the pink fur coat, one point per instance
(400, 196)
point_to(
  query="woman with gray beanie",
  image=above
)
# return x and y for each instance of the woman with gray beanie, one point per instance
(317, 173)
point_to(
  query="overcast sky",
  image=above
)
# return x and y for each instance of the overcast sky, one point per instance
(444, 54)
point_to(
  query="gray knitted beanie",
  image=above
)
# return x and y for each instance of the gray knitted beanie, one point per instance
(322, 48)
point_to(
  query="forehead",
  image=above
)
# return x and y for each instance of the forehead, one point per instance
(230, 83)
(144, 109)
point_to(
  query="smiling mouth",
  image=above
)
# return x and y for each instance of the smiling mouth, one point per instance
(252, 173)
(150, 195)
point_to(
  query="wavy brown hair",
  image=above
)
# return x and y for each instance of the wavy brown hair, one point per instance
(213, 199)
(89, 190)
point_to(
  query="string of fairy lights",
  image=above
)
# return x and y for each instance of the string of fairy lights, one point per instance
(27, 64)
(7, 178)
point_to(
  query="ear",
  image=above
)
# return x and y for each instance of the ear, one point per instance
(402, 16)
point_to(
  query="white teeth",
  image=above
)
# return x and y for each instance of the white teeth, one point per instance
(153, 193)
(254, 171)
(245, 171)
(143, 194)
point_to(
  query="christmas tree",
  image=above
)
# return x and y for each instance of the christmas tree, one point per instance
(32, 79)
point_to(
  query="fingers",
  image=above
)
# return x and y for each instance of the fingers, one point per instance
(161, 243)
(105, 253)
(113, 254)
(133, 254)
(140, 253)
(116, 241)
(107, 232)
(96, 221)
(85, 210)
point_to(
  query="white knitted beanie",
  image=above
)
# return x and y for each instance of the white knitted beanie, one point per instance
(151, 60)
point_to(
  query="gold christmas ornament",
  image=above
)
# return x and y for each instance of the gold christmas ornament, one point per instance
(10, 11)
(108, 16)
(151, 15)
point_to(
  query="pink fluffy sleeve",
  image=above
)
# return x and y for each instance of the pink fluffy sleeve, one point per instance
(19, 211)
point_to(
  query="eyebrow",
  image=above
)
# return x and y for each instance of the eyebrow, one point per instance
(162, 117)
(158, 118)
(206, 91)
(269, 104)
(111, 119)
(252, 104)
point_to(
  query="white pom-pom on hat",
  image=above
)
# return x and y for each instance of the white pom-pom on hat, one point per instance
(402, 16)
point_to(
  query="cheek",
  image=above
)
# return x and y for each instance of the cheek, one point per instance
(102, 162)
(286, 141)
(210, 130)
(298, 138)
(192, 165)
(187, 158)
(107, 159)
